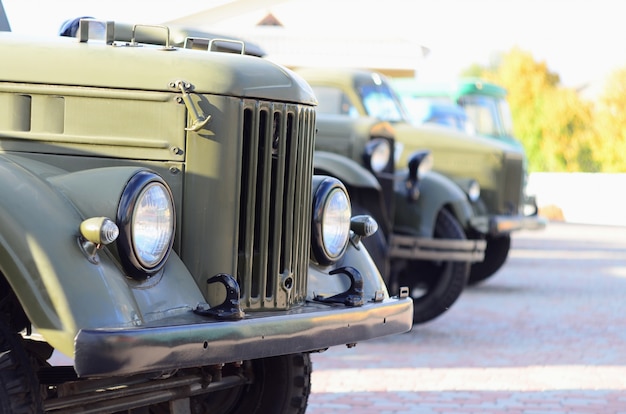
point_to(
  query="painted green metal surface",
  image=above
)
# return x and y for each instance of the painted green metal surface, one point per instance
(95, 64)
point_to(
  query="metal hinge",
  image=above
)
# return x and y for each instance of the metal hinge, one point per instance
(198, 119)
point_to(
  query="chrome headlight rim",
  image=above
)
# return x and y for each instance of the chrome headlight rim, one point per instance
(329, 191)
(129, 251)
(377, 155)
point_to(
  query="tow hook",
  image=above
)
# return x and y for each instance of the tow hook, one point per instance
(230, 308)
(354, 295)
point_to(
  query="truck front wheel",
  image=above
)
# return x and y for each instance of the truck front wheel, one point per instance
(435, 286)
(495, 255)
(279, 384)
(19, 388)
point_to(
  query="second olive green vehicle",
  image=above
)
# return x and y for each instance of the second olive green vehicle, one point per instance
(422, 243)
(164, 244)
(481, 181)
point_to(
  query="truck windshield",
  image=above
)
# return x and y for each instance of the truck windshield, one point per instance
(381, 102)
(490, 115)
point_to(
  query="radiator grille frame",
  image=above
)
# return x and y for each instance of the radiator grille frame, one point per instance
(275, 204)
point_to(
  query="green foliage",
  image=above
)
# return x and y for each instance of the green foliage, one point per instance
(560, 130)
(610, 123)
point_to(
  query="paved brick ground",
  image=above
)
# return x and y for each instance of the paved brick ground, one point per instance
(547, 334)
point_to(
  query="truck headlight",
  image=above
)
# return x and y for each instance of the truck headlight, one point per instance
(146, 220)
(473, 191)
(470, 187)
(377, 154)
(331, 220)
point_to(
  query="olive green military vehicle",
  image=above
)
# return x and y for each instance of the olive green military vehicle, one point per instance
(490, 172)
(421, 243)
(164, 244)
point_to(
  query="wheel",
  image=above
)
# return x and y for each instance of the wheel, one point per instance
(279, 385)
(435, 286)
(376, 244)
(19, 388)
(495, 255)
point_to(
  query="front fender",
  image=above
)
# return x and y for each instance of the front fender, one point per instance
(60, 290)
(348, 171)
(363, 187)
(418, 217)
(322, 283)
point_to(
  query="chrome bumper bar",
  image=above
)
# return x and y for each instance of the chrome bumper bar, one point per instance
(496, 225)
(421, 248)
(193, 340)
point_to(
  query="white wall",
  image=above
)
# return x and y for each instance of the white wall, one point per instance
(589, 198)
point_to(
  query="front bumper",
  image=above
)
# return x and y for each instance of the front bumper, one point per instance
(192, 340)
(424, 248)
(498, 225)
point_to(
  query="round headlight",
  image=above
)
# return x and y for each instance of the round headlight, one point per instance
(152, 224)
(146, 220)
(331, 221)
(336, 223)
(427, 164)
(473, 191)
(377, 154)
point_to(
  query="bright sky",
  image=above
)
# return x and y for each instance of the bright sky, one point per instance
(580, 40)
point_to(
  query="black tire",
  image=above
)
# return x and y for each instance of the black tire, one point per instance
(435, 286)
(496, 254)
(280, 385)
(19, 387)
(376, 244)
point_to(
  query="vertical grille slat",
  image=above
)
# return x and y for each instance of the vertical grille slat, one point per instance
(305, 173)
(262, 211)
(275, 204)
(290, 234)
(247, 200)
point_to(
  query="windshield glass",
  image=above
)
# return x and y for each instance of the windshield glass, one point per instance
(380, 101)
(484, 113)
(505, 114)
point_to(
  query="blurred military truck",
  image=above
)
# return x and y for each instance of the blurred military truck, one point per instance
(489, 115)
(421, 243)
(164, 244)
(491, 173)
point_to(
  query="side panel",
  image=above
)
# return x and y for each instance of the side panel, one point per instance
(91, 121)
(436, 192)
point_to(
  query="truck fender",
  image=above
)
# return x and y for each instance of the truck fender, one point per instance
(363, 187)
(350, 172)
(418, 217)
(356, 256)
(60, 290)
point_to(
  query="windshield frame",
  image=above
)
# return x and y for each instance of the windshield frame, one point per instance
(379, 99)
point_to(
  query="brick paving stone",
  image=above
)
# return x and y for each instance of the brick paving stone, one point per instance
(545, 335)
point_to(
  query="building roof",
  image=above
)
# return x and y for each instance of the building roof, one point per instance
(337, 45)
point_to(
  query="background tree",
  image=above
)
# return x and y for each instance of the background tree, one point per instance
(610, 123)
(553, 123)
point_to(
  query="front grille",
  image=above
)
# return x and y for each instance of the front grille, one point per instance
(513, 181)
(275, 204)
